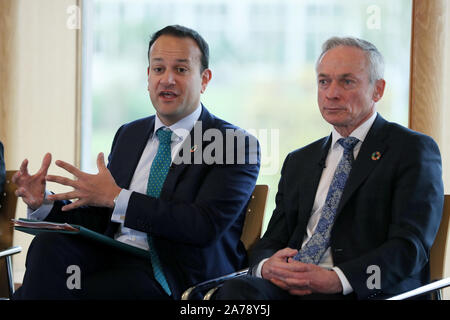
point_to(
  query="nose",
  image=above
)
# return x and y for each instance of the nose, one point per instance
(333, 91)
(168, 78)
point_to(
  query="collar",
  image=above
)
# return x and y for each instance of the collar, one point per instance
(183, 127)
(360, 132)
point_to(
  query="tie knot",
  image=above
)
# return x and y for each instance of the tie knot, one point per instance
(164, 136)
(348, 143)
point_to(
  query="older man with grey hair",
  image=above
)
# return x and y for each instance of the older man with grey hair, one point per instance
(356, 211)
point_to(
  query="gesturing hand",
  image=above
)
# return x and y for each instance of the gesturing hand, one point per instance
(31, 188)
(90, 189)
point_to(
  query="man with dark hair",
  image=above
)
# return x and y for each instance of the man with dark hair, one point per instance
(187, 214)
(2, 168)
(357, 211)
(183, 32)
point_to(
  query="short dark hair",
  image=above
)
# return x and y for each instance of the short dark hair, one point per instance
(184, 32)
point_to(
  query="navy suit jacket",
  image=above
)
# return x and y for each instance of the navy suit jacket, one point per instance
(389, 212)
(197, 221)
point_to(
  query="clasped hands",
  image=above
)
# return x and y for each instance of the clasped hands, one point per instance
(299, 278)
(89, 189)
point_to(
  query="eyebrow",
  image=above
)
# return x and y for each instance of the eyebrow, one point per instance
(345, 75)
(178, 60)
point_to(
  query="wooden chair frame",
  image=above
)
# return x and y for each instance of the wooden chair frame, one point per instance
(251, 233)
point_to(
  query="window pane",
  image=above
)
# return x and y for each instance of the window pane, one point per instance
(263, 55)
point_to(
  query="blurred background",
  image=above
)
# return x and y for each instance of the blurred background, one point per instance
(262, 56)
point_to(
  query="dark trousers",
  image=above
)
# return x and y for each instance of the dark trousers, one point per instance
(253, 288)
(55, 260)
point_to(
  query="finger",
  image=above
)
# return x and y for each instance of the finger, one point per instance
(300, 292)
(279, 283)
(24, 167)
(298, 266)
(45, 164)
(285, 273)
(290, 270)
(298, 287)
(275, 263)
(62, 180)
(21, 192)
(278, 271)
(28, 198)
(16, 176)
(296, 283)
(73, 205)
(24, 193)
(101, 162)
(68, 167)
(63, 196)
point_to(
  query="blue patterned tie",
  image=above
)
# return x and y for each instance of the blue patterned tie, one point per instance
(316, 246)
(158, 173)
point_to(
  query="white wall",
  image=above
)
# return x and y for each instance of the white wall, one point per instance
(41, 115)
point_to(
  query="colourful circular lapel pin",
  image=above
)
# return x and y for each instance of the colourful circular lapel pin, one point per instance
(376, 156)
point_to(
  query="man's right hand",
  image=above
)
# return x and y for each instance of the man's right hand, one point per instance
(271, 268)
(32, 188)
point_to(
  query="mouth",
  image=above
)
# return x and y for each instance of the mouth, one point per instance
(333, 109)
(167, 95)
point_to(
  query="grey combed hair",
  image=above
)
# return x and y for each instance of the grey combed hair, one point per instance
(374, 57)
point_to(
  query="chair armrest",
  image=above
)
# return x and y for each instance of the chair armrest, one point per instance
(7, 253)
(10, 251)
(436, 285)
(209, 284)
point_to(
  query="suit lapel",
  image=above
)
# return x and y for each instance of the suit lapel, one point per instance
(366, 160)
(307, 191)
(194, 145)
(309, 188)
(128, 157)
(130, 153)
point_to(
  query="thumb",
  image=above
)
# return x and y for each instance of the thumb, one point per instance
(286, 253)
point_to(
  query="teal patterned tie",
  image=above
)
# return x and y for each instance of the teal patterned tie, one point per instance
(316, 246)
(158, 173)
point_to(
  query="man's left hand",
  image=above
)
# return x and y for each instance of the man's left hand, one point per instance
(301, 279)
(90, 189)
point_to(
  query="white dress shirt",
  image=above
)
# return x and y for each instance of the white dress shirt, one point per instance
(334, 156)
(181, 130)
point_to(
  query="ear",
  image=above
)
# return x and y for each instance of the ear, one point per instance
(148, 78)
(378, 90)
(206, 77)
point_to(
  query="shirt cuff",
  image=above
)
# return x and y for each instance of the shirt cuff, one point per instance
(43, 211)
(121, 206)
(346, 287)
(259, 268)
